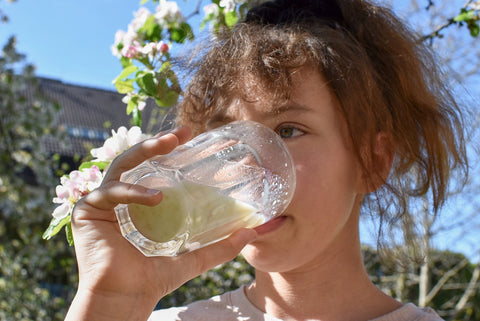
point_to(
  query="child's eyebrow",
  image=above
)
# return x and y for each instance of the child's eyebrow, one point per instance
(273, 111)
(290, 106)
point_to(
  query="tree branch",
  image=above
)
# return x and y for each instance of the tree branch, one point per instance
(469, 291)
(436, 32)
(197, 10)
(434, 291)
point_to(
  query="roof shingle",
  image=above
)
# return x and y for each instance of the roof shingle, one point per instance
(87, 115)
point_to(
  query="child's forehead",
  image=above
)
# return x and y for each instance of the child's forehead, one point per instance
(252, 92)
(254, 88)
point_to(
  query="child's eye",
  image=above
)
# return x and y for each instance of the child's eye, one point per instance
(289, 132)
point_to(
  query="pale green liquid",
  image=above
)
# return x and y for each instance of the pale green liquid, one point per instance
(201, 211)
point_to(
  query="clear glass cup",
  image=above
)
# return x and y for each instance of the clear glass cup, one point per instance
(237, 175)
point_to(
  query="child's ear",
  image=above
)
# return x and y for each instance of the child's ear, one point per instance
(380, 164)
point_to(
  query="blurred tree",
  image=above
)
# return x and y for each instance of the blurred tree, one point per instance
(29, 266)
(442, 25)
(455, 294)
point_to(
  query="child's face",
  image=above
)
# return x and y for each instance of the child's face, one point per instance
(323, 215)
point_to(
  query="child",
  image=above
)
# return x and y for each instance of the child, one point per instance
(370, 127)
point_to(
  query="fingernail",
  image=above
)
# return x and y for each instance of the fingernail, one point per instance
(160, 134)
(165, 132)
(153, 191)
(176, 129)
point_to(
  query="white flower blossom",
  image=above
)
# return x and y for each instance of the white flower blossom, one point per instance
(141, 100)
(211, 8)
(130, 40)
(140, 17)
(229, 5)
(79, 183)
(153, 49)
(132, 50)
(126, 99)
(118, 40)
(130, 37)
(118, 143)
(73, 187)
(142, 104)
(149, 49)
(168, 12)
(475, 6)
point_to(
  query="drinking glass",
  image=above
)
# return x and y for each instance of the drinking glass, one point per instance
(237, 175)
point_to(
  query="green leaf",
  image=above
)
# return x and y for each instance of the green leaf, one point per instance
(69, 234)
(474, 29)
(465, 15)
(177, 35)
(132, 105)
(242, 10)
(148, 84)
(124, 86)
(206, 20)
(125, 62)
(188, 30)
(100, 164)
(143, 2)
(166, 66)
(231, 18)
(137, 117)
(181, 33)
(148, 25)
(127, 71)
(168, 99)
(55, 227)
(151, 29)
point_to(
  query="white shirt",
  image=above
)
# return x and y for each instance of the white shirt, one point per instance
(234, 306)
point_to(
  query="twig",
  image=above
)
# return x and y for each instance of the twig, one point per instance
(197, 10)
(469, 291)
(434, 291)
(436, 32)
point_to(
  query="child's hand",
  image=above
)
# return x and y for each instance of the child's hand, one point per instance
(116, 280)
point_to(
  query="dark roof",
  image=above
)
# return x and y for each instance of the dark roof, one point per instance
(84, 113)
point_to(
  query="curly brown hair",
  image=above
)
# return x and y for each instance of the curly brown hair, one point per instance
(383, 78)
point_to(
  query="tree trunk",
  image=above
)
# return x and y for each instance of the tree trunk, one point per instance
(423, 284)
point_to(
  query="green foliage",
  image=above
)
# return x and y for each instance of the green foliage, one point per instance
(402, 283)
(29, 266)
(470, 17)
(55, 227)
(101, 165)
(180, 33)
(154, 77)
(27, 263)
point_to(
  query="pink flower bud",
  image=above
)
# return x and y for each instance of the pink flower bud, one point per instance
(130, 52)
(163, 48)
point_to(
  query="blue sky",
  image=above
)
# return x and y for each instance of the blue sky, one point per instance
(69, 40)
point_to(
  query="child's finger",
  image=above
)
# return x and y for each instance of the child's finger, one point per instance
(157, 145)
(109, 195)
